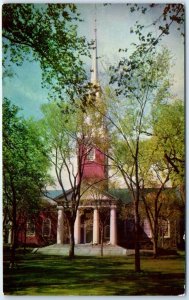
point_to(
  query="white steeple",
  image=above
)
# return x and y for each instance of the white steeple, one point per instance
(94, 70)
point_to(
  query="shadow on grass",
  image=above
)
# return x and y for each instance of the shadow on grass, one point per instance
(54, 275)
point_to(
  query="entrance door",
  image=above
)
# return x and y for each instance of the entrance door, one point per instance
(107, 233)
(88, 234)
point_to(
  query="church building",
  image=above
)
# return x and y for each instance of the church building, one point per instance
(103, 215)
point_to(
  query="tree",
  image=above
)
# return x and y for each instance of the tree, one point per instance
(148, 112)
(169, 132)
(136, 82)
(46, 33)
(170, 15)
(166, 153)
(155, 174)
(24, 169)
(163, 210)
(69, 133)
(159, 158)
(168, 127)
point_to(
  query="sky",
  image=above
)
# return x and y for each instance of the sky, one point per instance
(113, 32)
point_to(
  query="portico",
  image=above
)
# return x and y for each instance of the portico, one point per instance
(111, 225)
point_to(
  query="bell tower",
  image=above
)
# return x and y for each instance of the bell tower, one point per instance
(95, 165)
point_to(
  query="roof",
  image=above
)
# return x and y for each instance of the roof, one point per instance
(125, 195)
(121, 194)
(48, 201)
(52, 194)
(118, 194)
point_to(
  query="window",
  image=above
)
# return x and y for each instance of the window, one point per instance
(46, 227)
(30, 228)
(164, 226)
(91, 154)
(147, 229)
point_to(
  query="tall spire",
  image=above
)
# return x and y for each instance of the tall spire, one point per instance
(94, 74)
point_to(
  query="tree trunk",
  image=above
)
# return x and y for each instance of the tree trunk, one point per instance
(13, 243)
(137, 243)
(155, 238)
(101, 244)
(25, 229)
(14, 229)
(72, 241)
(136, 213)
(13, 254)
(155, 246)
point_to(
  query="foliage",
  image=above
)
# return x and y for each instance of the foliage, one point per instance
(145, 148)
(143, 129)
(63, 130)
(24, 166)
(170, 15)
(137, 81)
(168, 127)
(46, 33)
(160, 207)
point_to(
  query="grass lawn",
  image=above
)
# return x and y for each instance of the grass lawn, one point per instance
(54, 275)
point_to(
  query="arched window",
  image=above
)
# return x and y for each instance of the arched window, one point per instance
(91, 154)
(46, 227)
(30, 228)
(164, 228)
(147, 229)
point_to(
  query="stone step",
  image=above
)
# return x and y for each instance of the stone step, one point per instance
(85, 250)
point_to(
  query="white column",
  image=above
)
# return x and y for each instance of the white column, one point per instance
(60, 229)
(95, 226)
(113, 226)
(77, 228)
